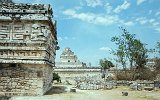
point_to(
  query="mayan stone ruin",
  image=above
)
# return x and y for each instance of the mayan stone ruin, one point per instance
(28, 44)
(69, 60)
(69, 67)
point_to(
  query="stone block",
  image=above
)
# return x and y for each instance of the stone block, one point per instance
(27, 88)
(72, 90)
(124, 93)
(148, 88)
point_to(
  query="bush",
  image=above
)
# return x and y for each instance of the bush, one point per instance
(56, 77)
(124, 75)
(157, 66)
(143, 74)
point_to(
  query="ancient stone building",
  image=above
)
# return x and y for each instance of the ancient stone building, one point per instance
(70, 67)
(68, 56)
(28, 45)
(69, 59)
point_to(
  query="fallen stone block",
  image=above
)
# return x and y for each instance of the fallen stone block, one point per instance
(72, 90)
(148, 88)
(124, 93)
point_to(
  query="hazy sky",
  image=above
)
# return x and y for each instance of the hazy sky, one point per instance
(86, 26)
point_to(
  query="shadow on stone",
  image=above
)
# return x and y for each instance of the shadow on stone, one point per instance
(56, 90)
(4, 98)
(72, 90)
(124, 93)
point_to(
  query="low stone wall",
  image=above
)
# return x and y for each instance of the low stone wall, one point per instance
(24, 79)
(69, 74)
(94, 83)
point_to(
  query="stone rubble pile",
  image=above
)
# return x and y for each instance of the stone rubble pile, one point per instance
(135, 86)
(93, 83)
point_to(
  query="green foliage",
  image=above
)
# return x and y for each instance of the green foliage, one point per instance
(124, 75)
(105, 64)
(158, 47)
(125, 47)
(130, 49)
(140, 54)
(155, 50)
(144, 74)
(157, 66)
(56, 77)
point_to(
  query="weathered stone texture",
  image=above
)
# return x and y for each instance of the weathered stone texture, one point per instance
(22, 41)
(70, 67)
(94, 83)
(28, 44)
(19, 79)
(69, 60)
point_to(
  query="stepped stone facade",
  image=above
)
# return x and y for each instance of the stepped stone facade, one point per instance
(28, 44)
(70, 67)
(69, 60)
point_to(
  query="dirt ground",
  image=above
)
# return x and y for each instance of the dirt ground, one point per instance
(62, 93)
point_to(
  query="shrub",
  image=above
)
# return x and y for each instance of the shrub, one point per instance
(56, 77)
(143, 74)
(124, 75)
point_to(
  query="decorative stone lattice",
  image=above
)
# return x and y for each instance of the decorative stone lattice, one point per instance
(28, 44)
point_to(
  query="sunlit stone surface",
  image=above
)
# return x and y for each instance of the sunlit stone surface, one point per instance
(69, 67)
(28, 45)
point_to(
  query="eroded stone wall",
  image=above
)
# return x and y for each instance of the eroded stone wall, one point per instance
(69, 74)
(24, 79)
(32, 41)
(28, 43)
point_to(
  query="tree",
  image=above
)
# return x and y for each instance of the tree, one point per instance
(130, 49)
(157, 60)
(156, 50)
(158, 47)
(125, 47)
(120, 52)
(105, 65)
(157, 65)
(140, 55)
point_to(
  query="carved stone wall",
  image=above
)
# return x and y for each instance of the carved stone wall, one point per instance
(32, 42)
(28, 43)
(24, 79)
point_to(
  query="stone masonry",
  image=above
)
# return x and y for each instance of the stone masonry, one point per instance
(28, 43)
(70, 67)
(69, 60)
